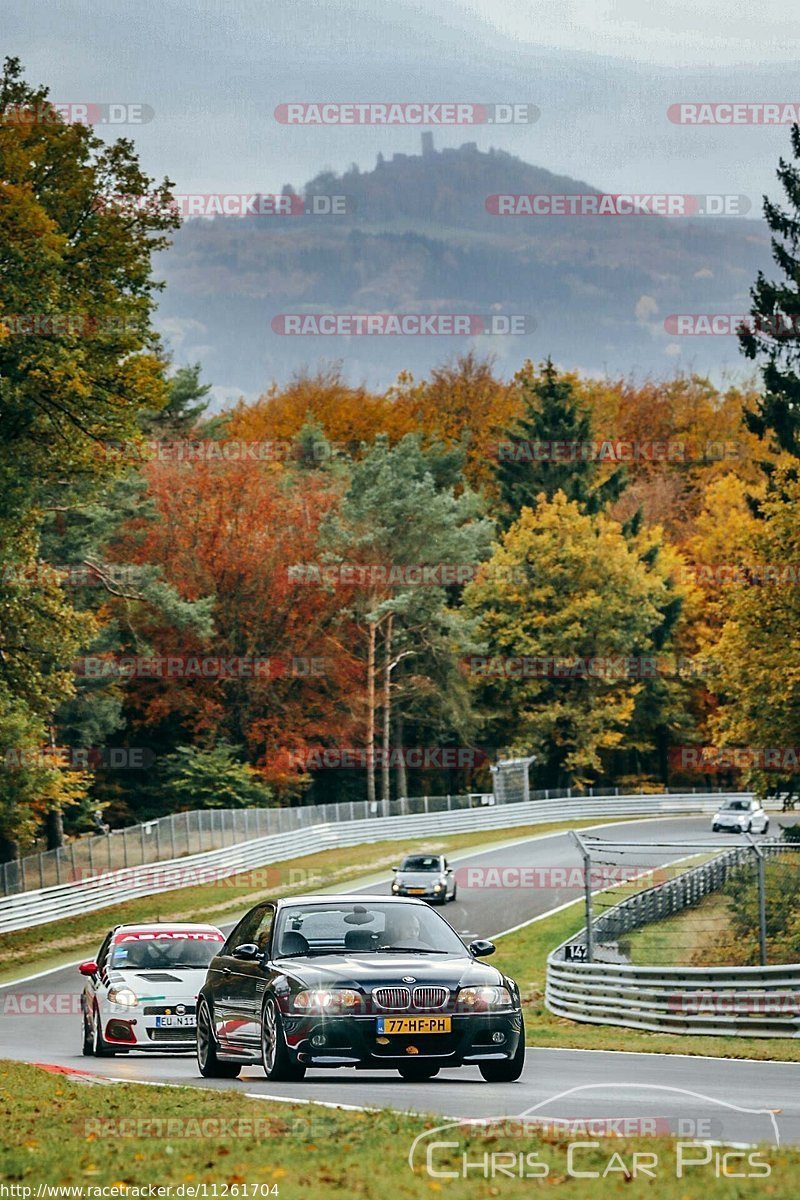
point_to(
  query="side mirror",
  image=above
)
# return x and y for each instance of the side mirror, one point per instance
(396, 869)
(247, 952)
(481, 948)
(88, 968)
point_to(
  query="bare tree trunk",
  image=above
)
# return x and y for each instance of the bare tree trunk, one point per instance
(387, 712)
(371, 714)
(54, 828)
(402, 776)
(9, 849)
(54, 818)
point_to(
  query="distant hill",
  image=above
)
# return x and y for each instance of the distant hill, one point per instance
(419, 239)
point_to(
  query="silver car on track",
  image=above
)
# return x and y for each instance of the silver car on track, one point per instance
(426, 876)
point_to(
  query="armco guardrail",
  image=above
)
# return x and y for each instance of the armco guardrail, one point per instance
(761, 1001)
(85, 895)
(739, 1001)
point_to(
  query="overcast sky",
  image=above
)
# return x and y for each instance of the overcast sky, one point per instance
(602, 72)
(669, 32)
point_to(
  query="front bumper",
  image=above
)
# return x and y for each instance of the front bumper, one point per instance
(353, 1041)
(418, 893)
(139, 1029)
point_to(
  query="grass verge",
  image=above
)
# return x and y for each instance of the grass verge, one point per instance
(675, 940)
(43, 946)
(523, 955)
(129, 1137)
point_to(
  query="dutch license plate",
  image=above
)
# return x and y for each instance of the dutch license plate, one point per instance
(413, 1025)
(416, 891)
(175, 1022)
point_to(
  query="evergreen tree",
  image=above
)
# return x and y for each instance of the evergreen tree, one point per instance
(186, 404)
(773, 336)
(408, 507)
(528, 466)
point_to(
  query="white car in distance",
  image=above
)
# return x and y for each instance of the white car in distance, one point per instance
(740, 815)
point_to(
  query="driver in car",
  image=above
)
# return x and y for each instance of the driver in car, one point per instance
(404, 932)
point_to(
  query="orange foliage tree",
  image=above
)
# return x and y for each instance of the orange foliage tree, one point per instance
(233, 531)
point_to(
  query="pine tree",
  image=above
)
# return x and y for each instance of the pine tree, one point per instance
(773, 336)
(527, 468)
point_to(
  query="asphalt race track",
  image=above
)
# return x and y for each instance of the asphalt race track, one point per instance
(720, 1099)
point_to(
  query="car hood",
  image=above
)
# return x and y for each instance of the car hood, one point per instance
(162, 984)
(371, 970)
(418, 878)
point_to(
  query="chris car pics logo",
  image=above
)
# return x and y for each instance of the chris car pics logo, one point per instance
(711, 1139)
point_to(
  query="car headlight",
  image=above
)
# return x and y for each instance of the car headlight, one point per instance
(337, 1000)
(395, 886)
(437, 887)
(123, 995)
(483, 999)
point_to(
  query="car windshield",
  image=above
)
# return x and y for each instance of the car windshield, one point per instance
(146, 952)
(421, 862)
(369, 928)
(737, 806)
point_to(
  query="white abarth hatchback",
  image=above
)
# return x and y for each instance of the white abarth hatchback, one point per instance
(141, 990)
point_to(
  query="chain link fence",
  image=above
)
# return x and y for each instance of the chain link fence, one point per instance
(194, 832)
(707, 906)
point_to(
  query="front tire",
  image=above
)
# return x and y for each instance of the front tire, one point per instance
(100, 1047)
(715, 828)
(417, 1072)
(275, 1057)
(209, 1065)
(510, 1069)
(766, 827)
(88, 1036)
(455, 892)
